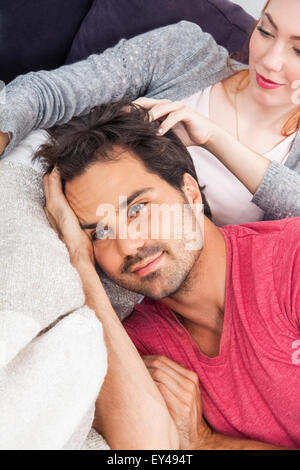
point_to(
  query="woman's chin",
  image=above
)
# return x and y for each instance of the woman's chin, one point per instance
(268, 98)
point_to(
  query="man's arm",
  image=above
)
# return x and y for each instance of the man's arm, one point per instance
(130, 412)
(171, 62)
(180, 390)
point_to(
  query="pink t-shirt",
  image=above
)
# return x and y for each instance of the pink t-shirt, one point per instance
(252, 388)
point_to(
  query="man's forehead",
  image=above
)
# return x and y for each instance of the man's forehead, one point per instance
(104, 183)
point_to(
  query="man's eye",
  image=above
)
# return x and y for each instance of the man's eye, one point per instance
(135, 209)
(263, 32)
(101, 233)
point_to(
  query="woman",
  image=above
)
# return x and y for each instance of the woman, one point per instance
(158, 65)
(256, 110)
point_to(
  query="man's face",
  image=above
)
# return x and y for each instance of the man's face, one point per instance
(132, 244)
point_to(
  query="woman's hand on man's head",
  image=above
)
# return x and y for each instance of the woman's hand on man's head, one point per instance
(190, 126)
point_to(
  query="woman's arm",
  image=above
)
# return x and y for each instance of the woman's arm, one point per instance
(279, 193)
(171, 62)
(275, 187)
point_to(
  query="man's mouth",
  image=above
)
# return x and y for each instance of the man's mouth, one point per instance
(265, 83)
(147, 266)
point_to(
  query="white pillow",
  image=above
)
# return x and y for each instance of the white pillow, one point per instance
(53, 357)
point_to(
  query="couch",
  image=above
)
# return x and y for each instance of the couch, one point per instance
(43, 34)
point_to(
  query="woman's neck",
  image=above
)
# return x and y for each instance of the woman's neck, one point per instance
(267, 117)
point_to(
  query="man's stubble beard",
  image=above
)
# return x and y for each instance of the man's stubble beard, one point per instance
(179, 274)
(171, 279)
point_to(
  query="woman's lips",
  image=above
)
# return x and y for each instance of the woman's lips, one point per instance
(265, 83)
(149, 267)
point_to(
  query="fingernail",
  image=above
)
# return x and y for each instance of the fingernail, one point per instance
(160, 131)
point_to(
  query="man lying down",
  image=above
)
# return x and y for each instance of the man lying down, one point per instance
(216, 357)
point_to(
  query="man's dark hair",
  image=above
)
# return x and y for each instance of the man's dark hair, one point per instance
(85, 140)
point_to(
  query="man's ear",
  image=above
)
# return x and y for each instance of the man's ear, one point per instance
(191, 189)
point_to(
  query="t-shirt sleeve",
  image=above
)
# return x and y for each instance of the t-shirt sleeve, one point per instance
(132, 325)
(286, 269)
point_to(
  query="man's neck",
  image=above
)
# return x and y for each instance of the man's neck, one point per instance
(200, 303)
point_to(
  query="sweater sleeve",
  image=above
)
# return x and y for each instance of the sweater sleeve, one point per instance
(279, 193)
(286, 268)
(171, 62)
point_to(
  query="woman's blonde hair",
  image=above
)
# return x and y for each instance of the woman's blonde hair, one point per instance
(293, 123)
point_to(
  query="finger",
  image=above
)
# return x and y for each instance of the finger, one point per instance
(185, 392)
(55, 183)
(182, 387)
(160, 361)
(171, 400)
(162, 110)
(165, 363)
(148, 103)
(45, 185)
(162, 378)
(172, 120)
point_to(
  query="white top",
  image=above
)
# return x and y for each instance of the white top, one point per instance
(229, 200)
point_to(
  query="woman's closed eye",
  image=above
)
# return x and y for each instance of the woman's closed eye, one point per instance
(264, 33)
(297, 51)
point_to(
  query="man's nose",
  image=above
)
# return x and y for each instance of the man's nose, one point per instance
(129, 246)
(273, 60)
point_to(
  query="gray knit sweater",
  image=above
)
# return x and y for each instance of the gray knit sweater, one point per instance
(171, 62)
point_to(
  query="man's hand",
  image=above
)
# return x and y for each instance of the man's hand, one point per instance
(64, 221)
(180, 390)
(4, 140)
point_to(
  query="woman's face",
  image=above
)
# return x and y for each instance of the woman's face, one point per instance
(275, 55)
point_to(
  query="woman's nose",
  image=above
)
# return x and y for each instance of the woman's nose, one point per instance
(273, 60)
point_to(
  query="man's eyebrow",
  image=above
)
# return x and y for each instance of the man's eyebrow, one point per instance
(133, 196)
(297, 38)
(123, 205)
(88, 226)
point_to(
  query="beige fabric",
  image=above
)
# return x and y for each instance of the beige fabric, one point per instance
(53, 358)
(95, 442)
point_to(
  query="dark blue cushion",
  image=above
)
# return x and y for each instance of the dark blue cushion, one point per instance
(110, 20)
(37, 34)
